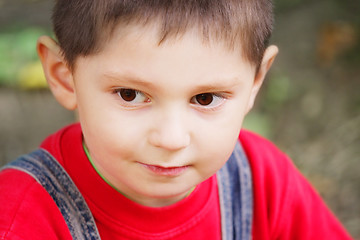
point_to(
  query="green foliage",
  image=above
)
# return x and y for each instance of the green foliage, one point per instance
(259, 123)
(285, 5)
(278, 89)
(18, 48)
(277, 92)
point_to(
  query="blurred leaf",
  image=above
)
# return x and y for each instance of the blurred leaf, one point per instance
(258, 123)
(25, 42)
(31, 76)
(278, 91)
(18, 49)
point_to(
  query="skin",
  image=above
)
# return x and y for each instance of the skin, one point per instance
(157, 120)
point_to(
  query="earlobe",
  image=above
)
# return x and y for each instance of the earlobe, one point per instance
(57, 73)
(268, 59)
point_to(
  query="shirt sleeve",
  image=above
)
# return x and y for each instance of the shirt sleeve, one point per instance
(286, 206)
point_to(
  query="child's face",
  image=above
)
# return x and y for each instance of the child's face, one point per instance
(158, 120)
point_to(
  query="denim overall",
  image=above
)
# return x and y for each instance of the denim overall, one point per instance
(234, 181)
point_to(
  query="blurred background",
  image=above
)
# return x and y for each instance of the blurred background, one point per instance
(309, 106)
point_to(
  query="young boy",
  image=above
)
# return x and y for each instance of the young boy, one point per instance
(161, 89)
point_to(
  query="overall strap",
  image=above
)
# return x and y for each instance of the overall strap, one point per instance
(52, 176)
(236, 196)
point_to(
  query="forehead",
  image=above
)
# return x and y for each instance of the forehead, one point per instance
(154, 29)
(186, 61)
(147, 40)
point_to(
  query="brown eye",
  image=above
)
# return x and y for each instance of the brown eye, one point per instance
(204, 98)
(131, 97)
(127, 94)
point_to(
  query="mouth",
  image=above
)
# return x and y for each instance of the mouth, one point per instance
(165, 171)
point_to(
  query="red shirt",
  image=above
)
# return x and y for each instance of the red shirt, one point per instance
(34, 215)
(285, 206)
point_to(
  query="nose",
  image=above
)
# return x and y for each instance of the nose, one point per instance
(170, 132)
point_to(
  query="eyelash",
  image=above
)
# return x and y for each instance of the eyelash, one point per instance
(219, 97)
(129, 103)
(215, 97)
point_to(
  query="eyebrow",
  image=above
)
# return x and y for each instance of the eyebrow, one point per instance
(215, 85)
(126, 78)
(218, 85)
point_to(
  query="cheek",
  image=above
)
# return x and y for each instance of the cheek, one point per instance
(224, 128)
(111, 136)
(223, 141)
(218, 142)
(215, 157)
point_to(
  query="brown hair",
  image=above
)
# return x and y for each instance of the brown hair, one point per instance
(82, 27)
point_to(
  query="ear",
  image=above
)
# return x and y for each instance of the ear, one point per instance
(58, 75)
(268, 59)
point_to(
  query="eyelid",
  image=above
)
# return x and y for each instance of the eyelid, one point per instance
(221, 96)
(131, 105)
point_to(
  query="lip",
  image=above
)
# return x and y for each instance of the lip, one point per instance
(165, 171)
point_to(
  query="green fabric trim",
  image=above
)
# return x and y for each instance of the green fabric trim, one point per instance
(93, 165)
